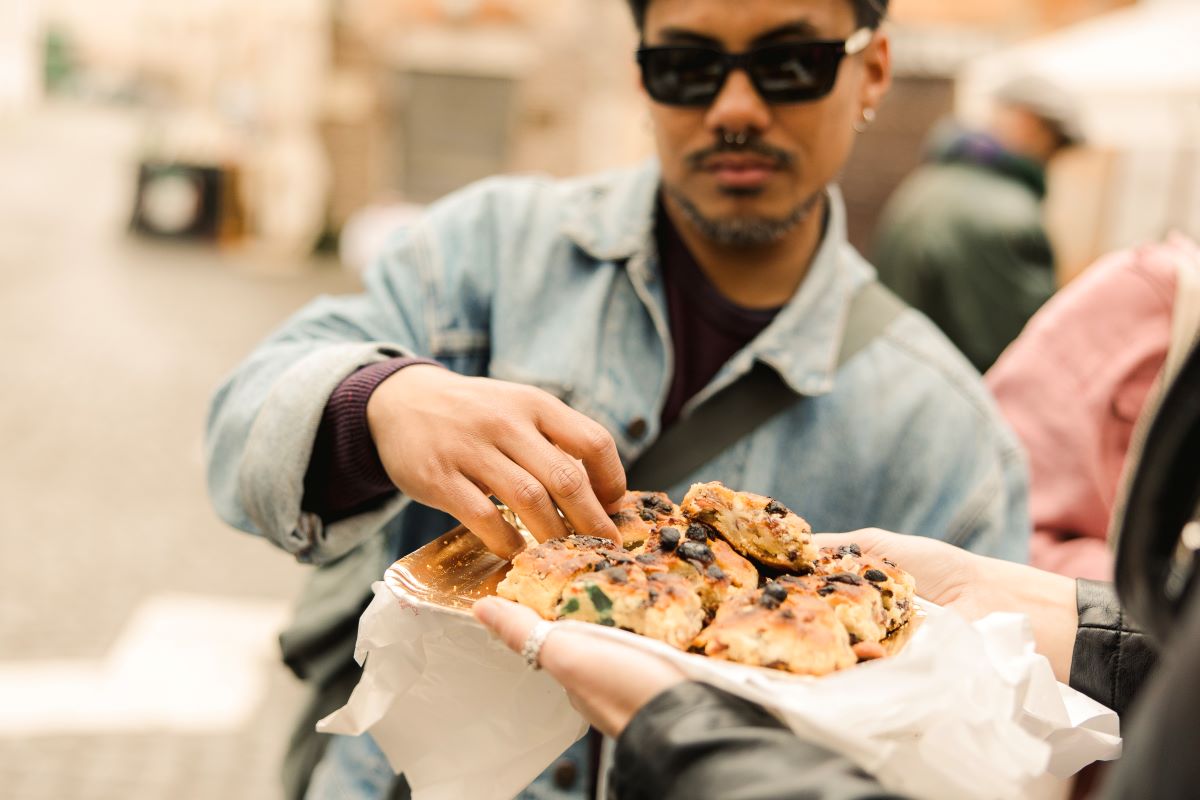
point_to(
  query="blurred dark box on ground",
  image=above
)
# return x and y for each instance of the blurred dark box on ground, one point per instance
(187, 201)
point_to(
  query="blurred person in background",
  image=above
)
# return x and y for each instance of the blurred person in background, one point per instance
(1075, 383)
(529, 339)
(962, 239)
(1134, 647)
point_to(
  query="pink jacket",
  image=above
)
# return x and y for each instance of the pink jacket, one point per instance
(1072, 386)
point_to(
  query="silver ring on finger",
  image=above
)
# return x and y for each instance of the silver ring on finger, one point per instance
(532, 648)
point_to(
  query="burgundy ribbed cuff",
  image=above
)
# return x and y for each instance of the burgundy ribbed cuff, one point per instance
(345, 473)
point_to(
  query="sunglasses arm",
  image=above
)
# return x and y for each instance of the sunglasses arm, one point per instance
(859, 40)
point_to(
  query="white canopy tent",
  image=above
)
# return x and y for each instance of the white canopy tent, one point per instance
(1136, 75)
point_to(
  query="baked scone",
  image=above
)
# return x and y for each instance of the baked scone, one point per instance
(662, 606)
(539, 574)
(758, 527)
(640, 513)
(616, 596)
(715, 571)
(896, 587)
(772, 627)
(858, 605)
(675, 614)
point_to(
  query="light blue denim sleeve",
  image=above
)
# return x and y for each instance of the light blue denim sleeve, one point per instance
(264, 418)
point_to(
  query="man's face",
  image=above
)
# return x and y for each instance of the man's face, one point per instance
(792, 150)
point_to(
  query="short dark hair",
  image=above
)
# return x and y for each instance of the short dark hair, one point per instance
(867, 13)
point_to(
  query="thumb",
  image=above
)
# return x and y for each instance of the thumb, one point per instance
(511, 622)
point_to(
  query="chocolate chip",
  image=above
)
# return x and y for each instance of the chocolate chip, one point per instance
(846, 577)
(849, 550)
(646, 558)
(793, 555)
(875, 576)
(716, 573)
(697, 533)
(854, 639)
(647, 515)
(776, 508)
(694, 551)
(787, 614)
(668, 539)
(767, 601)
(776, 591)
(656, 503)
(826, 590)
(653, 595)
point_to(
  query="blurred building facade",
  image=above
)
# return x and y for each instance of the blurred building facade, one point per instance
(326, 106)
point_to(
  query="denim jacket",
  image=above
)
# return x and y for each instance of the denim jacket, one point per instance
(555, 284)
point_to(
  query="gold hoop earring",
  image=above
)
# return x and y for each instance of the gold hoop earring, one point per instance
(868, 117)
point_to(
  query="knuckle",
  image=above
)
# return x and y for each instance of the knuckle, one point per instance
(501, 422)
(433, 472)
(530, 494)
(477, 513)
(523, 396)
(566, 480)
(597, 439)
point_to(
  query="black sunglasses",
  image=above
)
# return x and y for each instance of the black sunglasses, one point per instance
(790, 72)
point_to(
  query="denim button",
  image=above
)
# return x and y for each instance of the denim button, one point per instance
(565, 773)
(637, 428)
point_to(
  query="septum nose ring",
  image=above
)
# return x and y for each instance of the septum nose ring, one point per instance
(737, 139)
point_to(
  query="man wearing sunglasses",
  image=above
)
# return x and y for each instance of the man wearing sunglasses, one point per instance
(531, 339)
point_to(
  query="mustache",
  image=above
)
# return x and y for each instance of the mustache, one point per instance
(753, 145)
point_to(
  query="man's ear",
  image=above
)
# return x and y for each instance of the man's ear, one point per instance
(877, 70)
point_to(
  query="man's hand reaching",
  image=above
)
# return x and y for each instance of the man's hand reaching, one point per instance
(450, 441)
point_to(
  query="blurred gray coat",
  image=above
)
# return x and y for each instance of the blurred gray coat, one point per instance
(962, 241)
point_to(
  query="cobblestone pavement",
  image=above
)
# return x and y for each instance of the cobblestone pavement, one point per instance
(111, 349)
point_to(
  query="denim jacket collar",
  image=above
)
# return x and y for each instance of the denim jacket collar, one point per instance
(613, 221)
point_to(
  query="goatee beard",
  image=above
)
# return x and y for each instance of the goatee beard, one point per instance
(747, 231)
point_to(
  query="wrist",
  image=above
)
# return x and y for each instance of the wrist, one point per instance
(1055, 625)
(1048, 599)
(381, 404)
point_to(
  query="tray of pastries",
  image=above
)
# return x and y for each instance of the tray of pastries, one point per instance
(731, 575)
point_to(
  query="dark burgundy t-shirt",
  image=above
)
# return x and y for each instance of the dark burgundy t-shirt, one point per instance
(707, 329)
(345, 475)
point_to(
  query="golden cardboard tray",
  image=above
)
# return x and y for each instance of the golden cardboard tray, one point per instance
(452, 571)
(456, 569)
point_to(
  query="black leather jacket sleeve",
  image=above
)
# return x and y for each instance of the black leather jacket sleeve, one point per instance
(1112, 657)
(1162, 737)
(700, 743)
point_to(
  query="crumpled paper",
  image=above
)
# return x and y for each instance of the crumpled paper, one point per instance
(963, 711)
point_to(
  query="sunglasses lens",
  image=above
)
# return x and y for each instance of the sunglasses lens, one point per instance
(682, 76)
(784, 73)
(790, 73)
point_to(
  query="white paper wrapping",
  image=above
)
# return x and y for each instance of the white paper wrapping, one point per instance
(963, 711)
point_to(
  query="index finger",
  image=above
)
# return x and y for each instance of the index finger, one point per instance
(588, 441)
